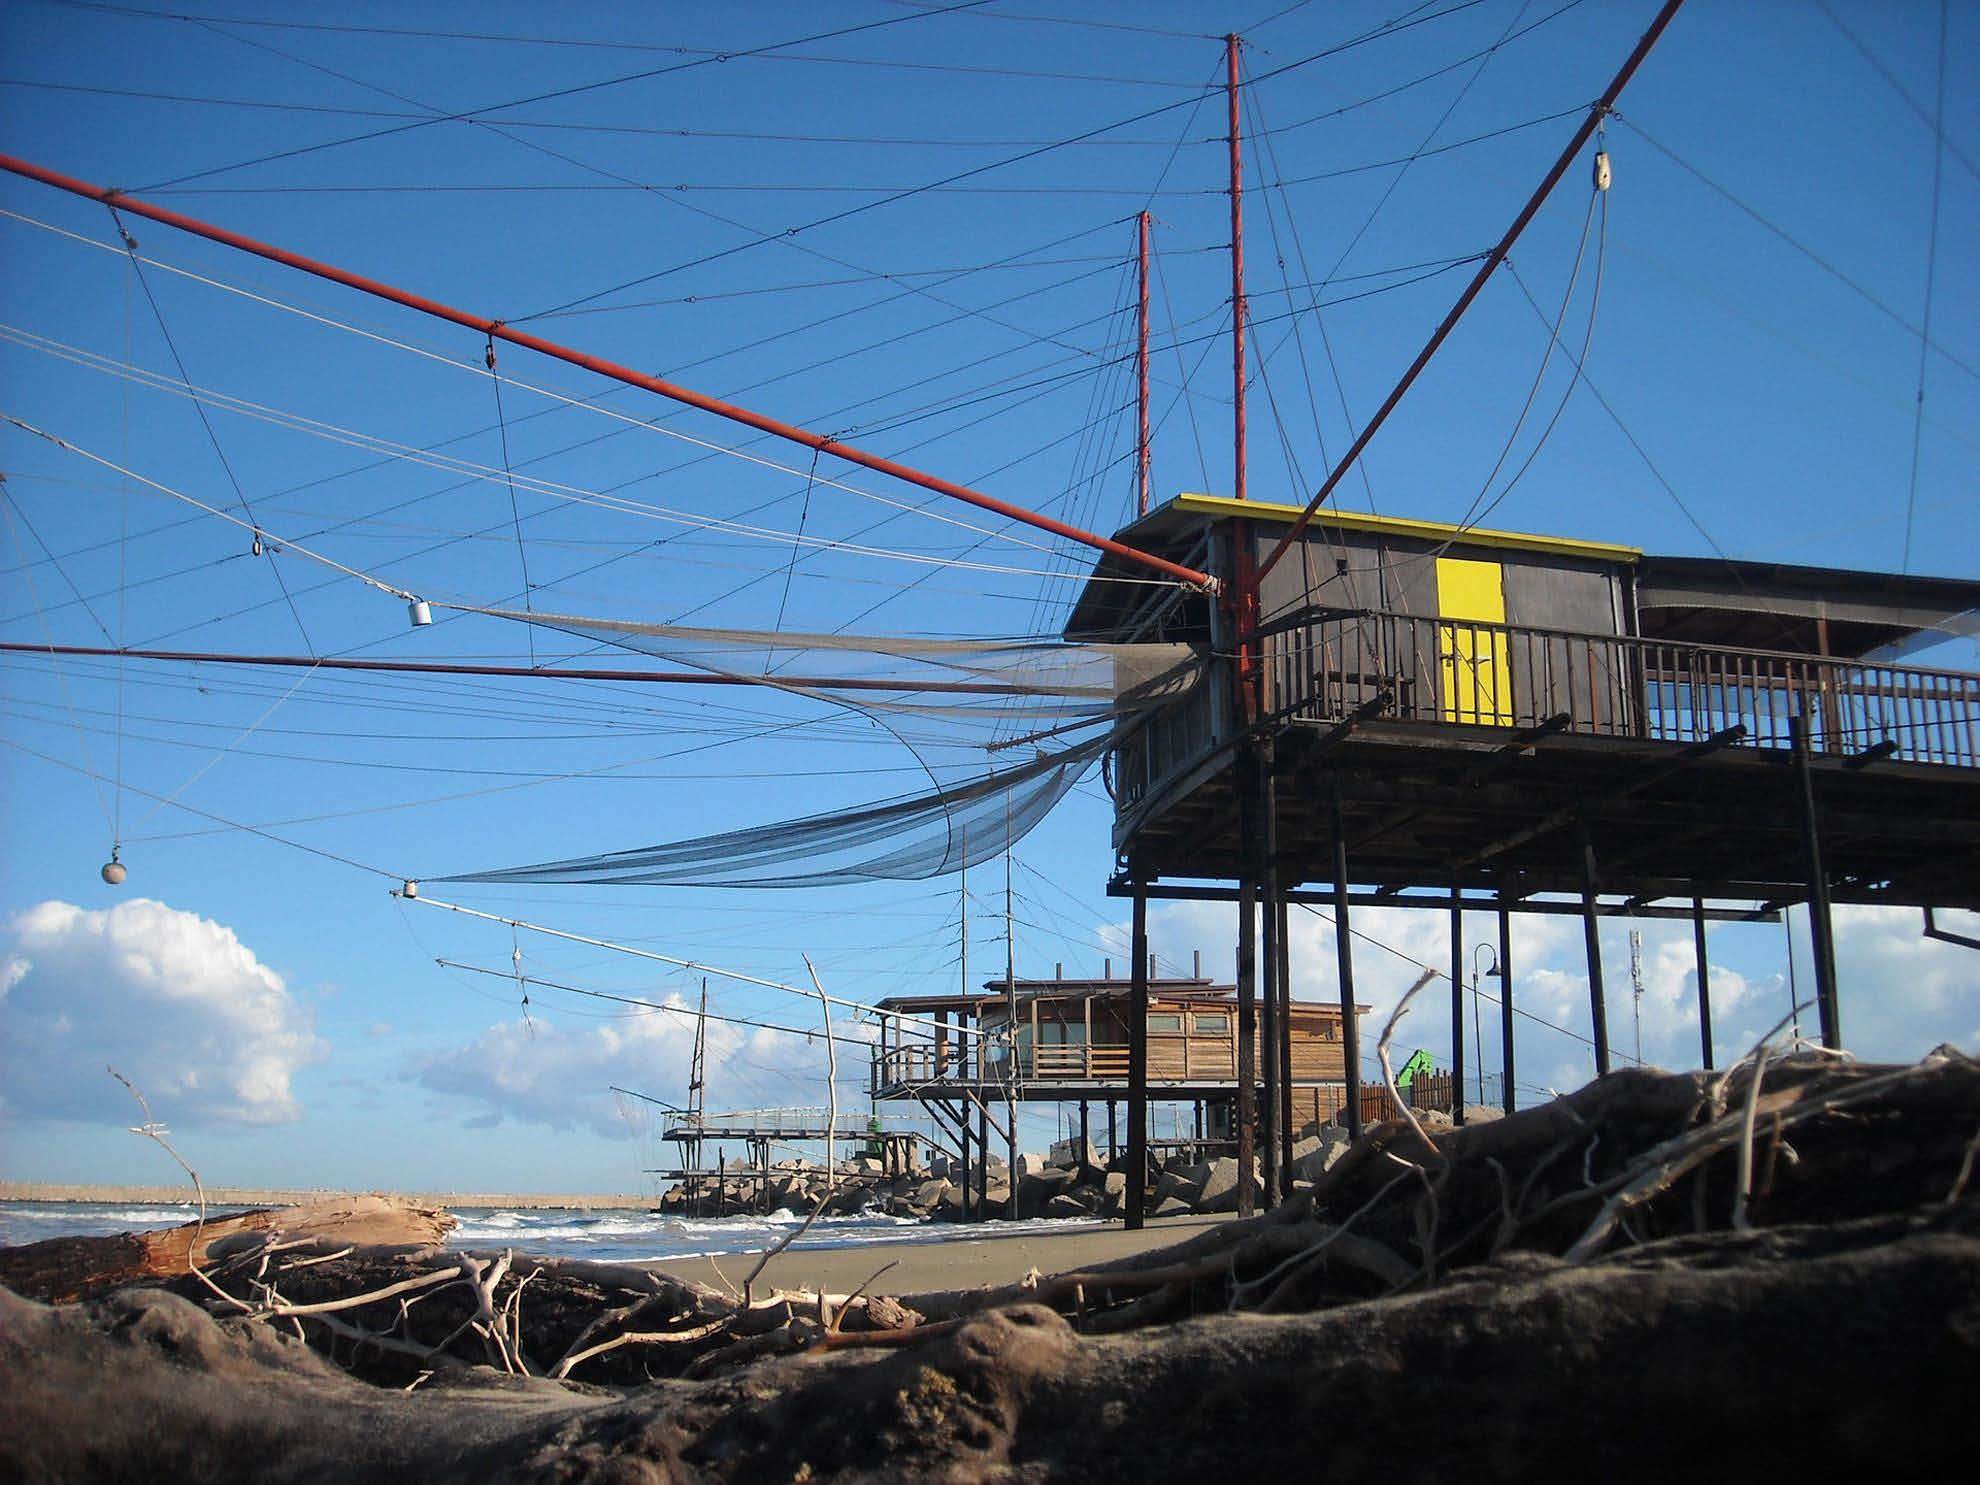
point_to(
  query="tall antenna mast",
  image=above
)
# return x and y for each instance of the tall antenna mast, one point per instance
(1141, 375)
(698, 1068)
(697, 1099)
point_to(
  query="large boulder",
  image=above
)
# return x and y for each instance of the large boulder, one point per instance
(1078, 1202)
(1317, 1154)
(1113, 1194)
(1171, 1206)
(787, 1193)
(845, 1201)
(1074, 1154)
(1220, 1188)
(1035, 1191)
(1183, 1181)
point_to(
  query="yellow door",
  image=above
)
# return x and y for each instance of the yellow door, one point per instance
(1476, 686)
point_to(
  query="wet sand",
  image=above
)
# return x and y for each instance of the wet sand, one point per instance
(924, 1267)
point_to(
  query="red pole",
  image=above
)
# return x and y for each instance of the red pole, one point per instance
(1601, 108)
(1237, 265)
(497, 330)
(1244, 604)
(1141, 371)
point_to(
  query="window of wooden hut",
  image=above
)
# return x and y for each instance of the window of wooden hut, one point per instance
(1170, 1021)
(1213, 1023)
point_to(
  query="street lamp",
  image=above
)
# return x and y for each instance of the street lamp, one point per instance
(1477, 1034)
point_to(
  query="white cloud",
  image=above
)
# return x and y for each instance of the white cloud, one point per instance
(176, 1002)
(1902, 993)
(546, 1072)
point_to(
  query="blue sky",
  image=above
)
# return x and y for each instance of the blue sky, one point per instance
(724, 215)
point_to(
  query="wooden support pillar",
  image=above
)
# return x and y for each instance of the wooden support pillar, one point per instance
(1821, 929)
(982, 1159)
(1704, 979)
(1457, 1010)
(964, 1179)
(1137, 1099)
(1505, 999)
(1288, 1123)
(1344, 957)
(1113, 1137)
(1246, 1111)
(1271, 1110)
(1084, 1142)
(1598, 1006)
(1011, 1149)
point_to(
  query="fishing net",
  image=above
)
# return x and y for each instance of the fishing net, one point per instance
(958, 703)
(921, 835)
(972, 691)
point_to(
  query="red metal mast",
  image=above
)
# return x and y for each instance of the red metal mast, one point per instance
(1237, 266)
(1244, 596)
(497, 330)
(1141, 371)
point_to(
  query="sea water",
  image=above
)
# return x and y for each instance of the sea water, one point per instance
(616, 1236)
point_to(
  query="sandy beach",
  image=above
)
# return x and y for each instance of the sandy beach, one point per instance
(967, 1263)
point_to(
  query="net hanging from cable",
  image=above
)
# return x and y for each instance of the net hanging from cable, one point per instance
(956, 704)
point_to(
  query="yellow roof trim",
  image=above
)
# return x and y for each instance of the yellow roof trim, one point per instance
(1474, 536)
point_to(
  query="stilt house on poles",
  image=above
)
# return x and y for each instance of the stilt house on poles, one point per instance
(1459, 720)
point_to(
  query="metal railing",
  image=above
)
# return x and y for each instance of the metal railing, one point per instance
(1518, 676)
(779, 1121)
(1172, 1056)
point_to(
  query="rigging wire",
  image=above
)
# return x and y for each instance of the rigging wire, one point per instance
(1931, 280)
(1935, 122)
(874, 141)
(1598, 202)
(402, 505)
(690, 965)
(569, 400)
(706, 54)
(572, 494)
(1799, 246)
(543, 97)
(515, 513)
(653, 1006)
(212, 510)
(793, 231)
(673, 196)
(110, 816)
(255, 830)
(212, 434)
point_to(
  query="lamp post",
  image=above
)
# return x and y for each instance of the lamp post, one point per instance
(1477, 1035)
